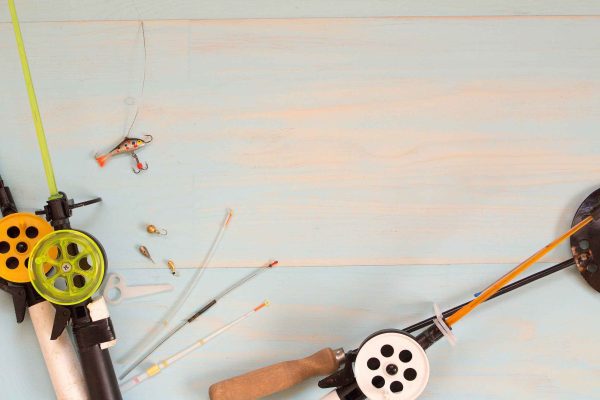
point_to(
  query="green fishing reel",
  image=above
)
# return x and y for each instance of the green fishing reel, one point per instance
(77, 269)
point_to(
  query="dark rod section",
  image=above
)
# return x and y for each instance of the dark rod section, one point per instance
(508, 288)
(99, 374)
(7, 203)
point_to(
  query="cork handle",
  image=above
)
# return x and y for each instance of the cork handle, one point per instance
(275, 378)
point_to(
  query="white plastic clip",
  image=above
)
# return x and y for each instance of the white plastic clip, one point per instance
(440, 323)
(116, 289)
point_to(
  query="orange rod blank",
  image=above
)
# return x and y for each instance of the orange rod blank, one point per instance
(500, 283)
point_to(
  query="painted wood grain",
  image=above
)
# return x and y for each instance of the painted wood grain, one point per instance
(425, 156)
(337, 142)
(90, 10)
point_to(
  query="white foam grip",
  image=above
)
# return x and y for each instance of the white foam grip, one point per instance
(60, 357)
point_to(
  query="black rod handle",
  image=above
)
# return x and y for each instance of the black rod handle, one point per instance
(99, 374)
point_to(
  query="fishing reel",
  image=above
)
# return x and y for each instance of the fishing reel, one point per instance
(19, 234)
(392, 364)
(585, 244)
(388, 365)
(67, 267)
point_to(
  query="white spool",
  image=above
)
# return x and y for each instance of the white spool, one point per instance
(61, 361)
(391, 366)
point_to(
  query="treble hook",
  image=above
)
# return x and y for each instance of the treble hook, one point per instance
(148, 141)
(139, 165)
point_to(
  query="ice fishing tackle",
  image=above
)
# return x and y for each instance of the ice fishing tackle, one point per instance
(144, 251)
(172, 267)
(127, 146)
(392, 364)
(156, 231)
(65, 250)
(140, 167)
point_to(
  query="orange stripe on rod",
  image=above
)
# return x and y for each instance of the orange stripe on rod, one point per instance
(500, 283)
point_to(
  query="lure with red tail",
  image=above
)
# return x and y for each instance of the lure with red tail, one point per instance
(127, 146)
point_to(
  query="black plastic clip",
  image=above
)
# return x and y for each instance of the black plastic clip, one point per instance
(61, 319)
(19, 297)
(94, 333)
(59, 210)
(341, 377)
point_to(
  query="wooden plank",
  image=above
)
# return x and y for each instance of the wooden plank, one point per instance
(516, 347)
(89, 10)
(337, 142)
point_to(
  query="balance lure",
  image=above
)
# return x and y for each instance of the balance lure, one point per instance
(127, 146)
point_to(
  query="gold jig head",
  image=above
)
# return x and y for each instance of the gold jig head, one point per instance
(146, 253)
(171, 266)
(156, 231)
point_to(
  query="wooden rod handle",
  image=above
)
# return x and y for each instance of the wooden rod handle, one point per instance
(275, 378)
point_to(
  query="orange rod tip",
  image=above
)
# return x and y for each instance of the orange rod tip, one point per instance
(263, 305)
(274, 263)
(229, 216)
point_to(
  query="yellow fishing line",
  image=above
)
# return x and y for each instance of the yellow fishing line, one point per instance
(35, 111)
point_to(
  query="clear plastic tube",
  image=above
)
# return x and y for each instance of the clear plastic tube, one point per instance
(164, 322)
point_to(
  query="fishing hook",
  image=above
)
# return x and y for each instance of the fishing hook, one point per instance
(139, 165)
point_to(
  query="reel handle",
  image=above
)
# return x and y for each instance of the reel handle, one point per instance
(59, 355)
(275, 378)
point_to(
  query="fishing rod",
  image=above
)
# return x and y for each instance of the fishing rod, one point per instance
(166, 319)
(19, 233)
(392, 364)
(154, 369)
(197, 314)
(66, 267)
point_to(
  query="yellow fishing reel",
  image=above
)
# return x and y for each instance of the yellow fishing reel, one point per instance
(19, 234)
(76, 267)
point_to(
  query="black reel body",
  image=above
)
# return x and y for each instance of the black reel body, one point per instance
(585, 244)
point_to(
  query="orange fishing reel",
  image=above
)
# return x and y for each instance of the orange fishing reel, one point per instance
(19, 234)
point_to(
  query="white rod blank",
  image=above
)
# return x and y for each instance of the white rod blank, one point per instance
(156, 368)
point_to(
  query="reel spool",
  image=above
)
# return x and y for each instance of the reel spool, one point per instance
(585, 244)
(391, 365)
(77, 265)
(19, 234)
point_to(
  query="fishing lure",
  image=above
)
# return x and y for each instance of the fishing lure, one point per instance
(157, 231)
(146, 253)
(127, 146)
(172, 268)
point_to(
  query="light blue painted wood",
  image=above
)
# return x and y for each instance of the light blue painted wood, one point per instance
(434, 153)
(86, 10)
(439, 141)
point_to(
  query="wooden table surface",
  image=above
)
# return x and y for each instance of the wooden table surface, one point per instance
(390, 154)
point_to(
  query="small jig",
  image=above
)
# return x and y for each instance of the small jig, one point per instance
(171, 266)
(127, 145)
(146, 253)
(157, 231)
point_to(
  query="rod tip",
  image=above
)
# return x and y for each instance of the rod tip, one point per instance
(264, 304)
(229, 216)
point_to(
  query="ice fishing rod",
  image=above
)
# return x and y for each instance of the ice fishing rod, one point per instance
(197, 314)
(165, 321)
(19, 233)
(391, 364)
(66, 267)
(154, 369)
